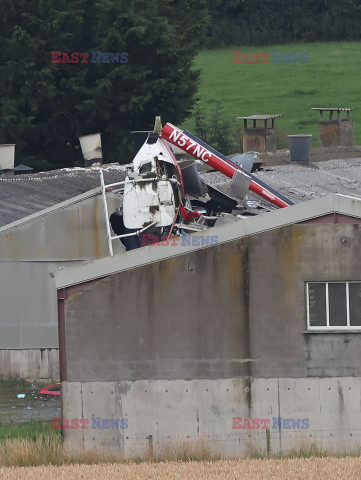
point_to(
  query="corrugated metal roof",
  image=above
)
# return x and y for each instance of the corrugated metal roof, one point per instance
(23, 195)
(300, 182)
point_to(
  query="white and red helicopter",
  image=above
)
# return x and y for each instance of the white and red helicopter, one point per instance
(155, 201)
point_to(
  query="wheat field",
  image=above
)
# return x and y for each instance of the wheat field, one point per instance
(327, 468)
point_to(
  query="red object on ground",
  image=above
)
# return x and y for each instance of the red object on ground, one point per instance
(216, 160)
(53, 389)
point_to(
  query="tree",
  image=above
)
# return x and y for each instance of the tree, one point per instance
(216, 129)
(262, 22)
(45, 106)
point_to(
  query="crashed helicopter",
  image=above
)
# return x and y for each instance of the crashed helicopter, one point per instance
(163, 197)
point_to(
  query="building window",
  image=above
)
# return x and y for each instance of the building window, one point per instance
(333, 305)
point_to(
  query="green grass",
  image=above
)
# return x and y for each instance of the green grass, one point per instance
(31, 430)
(331, 78)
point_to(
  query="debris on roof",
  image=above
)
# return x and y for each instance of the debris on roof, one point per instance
(160, 201)
(161, 197)
(23, 169)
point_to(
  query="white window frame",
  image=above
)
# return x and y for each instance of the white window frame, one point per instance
(327, 327)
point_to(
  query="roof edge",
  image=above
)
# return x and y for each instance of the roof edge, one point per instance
(300, 212)
(49, 210)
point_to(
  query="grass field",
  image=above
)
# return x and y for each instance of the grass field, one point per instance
(30, 430)
(331, 78)
(295, 469)
(40, 453)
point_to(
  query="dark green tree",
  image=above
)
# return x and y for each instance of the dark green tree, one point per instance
(261, 22)
(45, 106)
(216, 129)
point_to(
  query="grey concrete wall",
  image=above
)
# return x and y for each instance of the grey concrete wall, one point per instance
(181, 345)
(185, 317)
(74, 229)
(29, 320)
(174, 411)
(30, 249)
(28, 314)
(32, 364)
(235, 309)
(281, 261)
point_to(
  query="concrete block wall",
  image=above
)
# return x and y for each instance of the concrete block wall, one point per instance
(181, 346)
(179, 410)
(32, 364)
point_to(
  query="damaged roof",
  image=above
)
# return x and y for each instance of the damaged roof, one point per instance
(24, 195)
(319, 179)
(300, 182)
(341, 204)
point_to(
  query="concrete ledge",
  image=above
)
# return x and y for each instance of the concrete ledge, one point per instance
(345, 331)
(300, 212)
